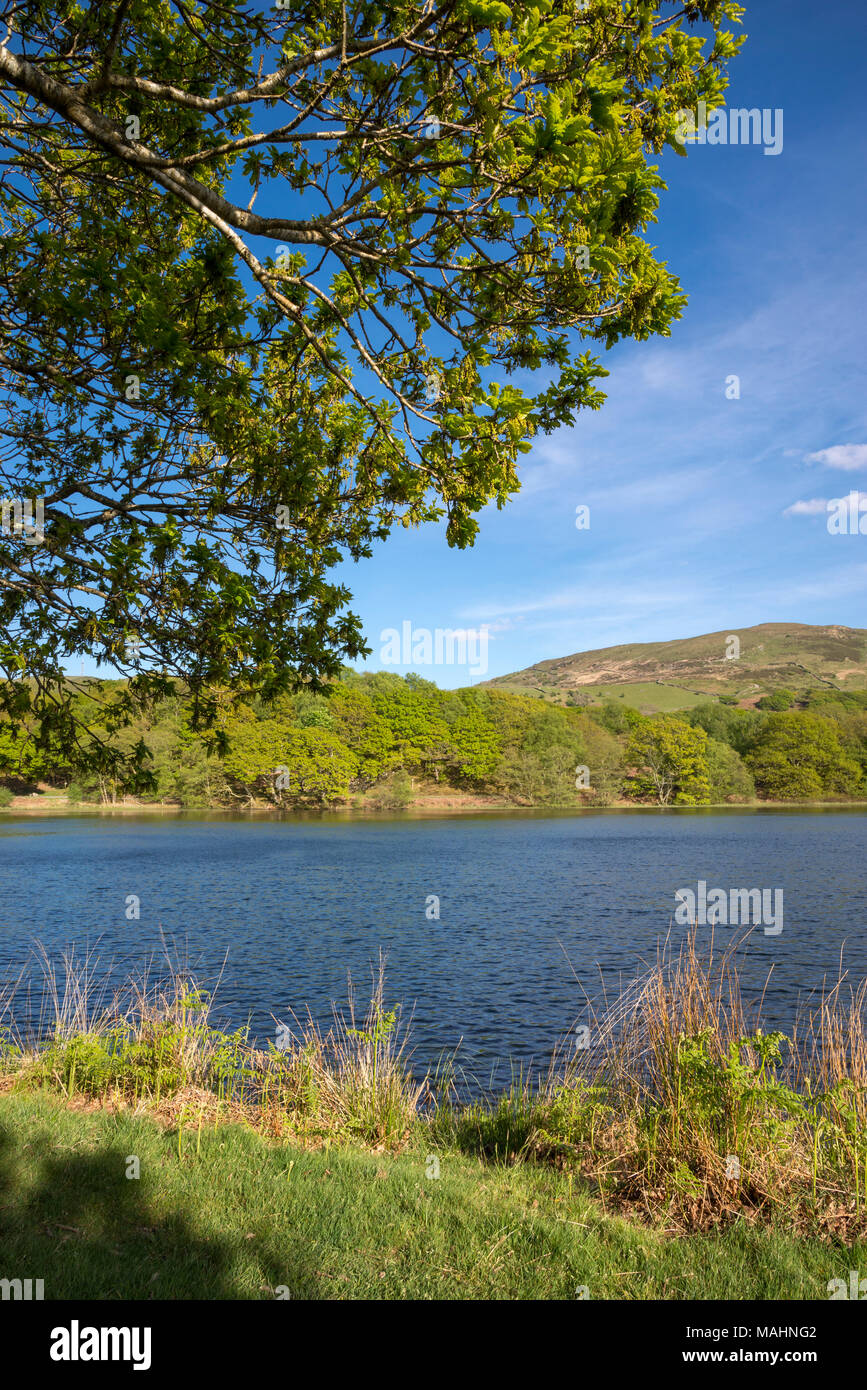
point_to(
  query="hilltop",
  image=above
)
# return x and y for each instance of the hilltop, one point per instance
(675, 675)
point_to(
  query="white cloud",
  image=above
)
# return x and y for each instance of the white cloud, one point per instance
(847, 456)
(502, 625)
(811, 507)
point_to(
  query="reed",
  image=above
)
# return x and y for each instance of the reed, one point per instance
(683, 1108)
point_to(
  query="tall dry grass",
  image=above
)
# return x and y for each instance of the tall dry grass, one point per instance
(685, 1104)
(149, 1042)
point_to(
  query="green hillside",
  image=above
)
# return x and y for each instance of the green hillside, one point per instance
(663, 676)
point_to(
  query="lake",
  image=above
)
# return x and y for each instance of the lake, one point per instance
(534, 909)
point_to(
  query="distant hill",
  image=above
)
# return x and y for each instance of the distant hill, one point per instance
(655, 676)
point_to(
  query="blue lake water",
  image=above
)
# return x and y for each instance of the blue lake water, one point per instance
(534, 910)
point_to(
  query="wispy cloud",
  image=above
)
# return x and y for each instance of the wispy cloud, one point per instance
(830, 585)
(581, 601)
(659, 490)
(847, 456)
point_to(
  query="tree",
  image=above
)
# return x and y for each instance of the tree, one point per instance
(19, 758)
(617, 719)
(411, 709)
(256, 752)
(670, 762)
(800, 756)
(321, 767)
(729, 779)
(266, 278)
(475, 749)
(604, 759)
(362, 729)
(270, 758)
(739, 728)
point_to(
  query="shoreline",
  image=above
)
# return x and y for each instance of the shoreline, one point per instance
(58, 806)
(595, 1118)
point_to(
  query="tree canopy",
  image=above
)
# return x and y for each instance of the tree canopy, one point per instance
(275, 282)
(379, 741)
(799, 756)
(670, 759)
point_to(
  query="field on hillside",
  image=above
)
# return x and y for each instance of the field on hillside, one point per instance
(647, 696)
(650, 697)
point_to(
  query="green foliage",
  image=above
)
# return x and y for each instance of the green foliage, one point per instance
(418, 731)
(730, 779)
(311, 711)
(362, 728)
(800, 756)
(150, 1061)
(394, 794)
(377, 739)
(738, 728)
(617, 719)
(98, 1063)
(832, 702)
(778, 700)
(670, 762)
(321, 766)
(261, 311)
(256, 749)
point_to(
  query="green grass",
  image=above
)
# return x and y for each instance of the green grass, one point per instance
(647, 695)
(643, 695)
(226, 1214)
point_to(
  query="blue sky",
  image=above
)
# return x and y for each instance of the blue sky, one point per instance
(689, 491)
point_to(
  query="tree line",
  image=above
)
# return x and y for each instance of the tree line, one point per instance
(378, 739)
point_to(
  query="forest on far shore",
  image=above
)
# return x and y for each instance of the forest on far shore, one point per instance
(375, 739)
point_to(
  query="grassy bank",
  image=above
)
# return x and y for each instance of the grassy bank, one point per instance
(225, 1213)
(683, 1152)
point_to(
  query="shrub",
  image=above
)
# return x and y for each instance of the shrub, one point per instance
(392, 795)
